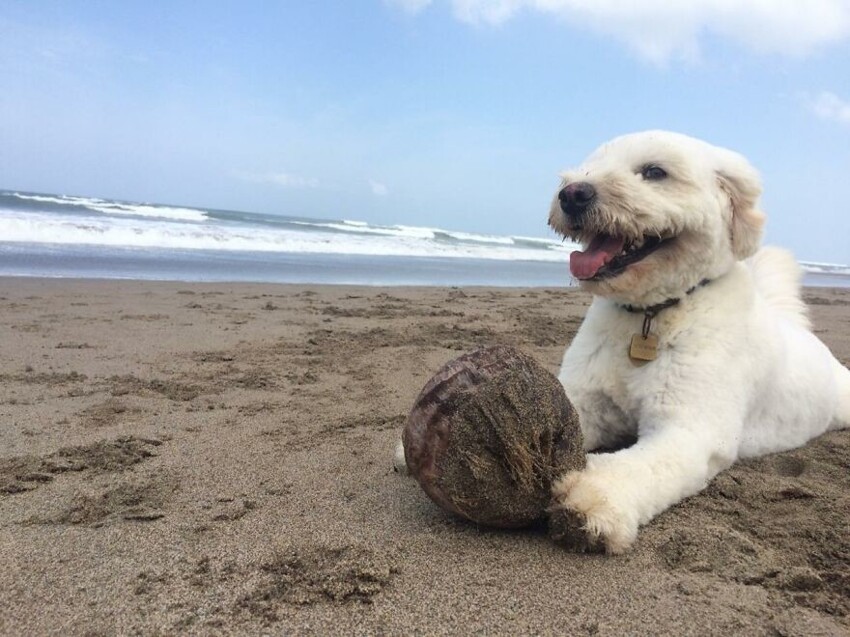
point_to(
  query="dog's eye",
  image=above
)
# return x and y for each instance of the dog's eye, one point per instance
(653, 172)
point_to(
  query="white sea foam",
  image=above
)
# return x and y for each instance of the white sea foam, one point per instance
(430, 233)
(825, 268)
(118, 208)
(366, 229)
(480, 238)
(93, 221)
(49, 228)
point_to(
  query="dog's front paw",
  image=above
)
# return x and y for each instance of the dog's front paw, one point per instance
(568, 529)
(582, 499)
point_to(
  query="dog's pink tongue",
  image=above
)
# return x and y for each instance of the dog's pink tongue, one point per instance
(603, 248)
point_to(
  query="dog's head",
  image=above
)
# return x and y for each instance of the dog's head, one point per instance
(656, 213)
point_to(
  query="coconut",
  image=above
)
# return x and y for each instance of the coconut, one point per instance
(488, 435)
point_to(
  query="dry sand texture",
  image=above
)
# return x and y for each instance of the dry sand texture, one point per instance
(216, 459)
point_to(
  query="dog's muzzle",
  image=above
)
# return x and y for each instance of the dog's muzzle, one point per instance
(575, 200)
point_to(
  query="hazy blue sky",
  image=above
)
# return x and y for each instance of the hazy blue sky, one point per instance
(450, 113)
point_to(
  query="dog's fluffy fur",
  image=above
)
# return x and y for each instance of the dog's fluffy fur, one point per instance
(738, 372)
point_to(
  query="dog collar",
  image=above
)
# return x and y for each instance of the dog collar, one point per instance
(653, 310)
(644, 346)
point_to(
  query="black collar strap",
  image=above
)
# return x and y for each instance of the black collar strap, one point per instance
(653, 310)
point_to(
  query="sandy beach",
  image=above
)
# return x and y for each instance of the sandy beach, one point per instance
(216, 459)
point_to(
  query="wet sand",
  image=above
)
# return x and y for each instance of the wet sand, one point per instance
(216, 459)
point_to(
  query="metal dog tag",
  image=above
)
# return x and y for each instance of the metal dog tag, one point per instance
(644, 348)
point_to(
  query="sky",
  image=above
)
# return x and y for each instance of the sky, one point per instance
(456, 114)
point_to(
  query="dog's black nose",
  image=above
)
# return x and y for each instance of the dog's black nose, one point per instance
(576, 198)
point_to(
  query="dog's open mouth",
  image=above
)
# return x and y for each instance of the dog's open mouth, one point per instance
(608, 255)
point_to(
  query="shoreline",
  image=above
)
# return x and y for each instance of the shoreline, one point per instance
(222, 266)
(811, 281)
(215, 458)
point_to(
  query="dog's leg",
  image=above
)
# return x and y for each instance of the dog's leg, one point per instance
(603, 424)
(620, 491)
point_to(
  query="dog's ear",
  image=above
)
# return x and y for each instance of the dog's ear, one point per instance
(740, 181)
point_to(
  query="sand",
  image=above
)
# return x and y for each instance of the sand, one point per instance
(216, 459)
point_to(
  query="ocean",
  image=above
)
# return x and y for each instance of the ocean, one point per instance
(50, 235)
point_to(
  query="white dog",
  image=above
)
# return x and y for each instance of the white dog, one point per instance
(701, 356)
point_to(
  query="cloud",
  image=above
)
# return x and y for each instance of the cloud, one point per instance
(283, 179)
(378, 189)
(489, 11)
(408, 6)
(829, 106)
(659, 30)
(24, 46)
